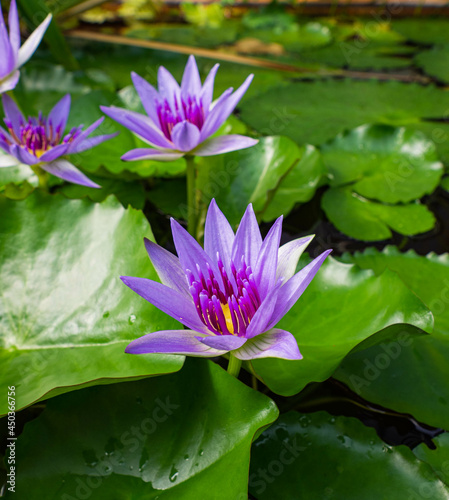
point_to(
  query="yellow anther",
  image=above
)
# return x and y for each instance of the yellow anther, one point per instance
(228, 318)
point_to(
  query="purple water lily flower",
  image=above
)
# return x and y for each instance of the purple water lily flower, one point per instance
(231, 294)
(181, 119)
(41, 141)
(13, 56)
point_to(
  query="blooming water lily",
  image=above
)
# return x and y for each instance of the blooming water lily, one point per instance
(181, 118)
(12, 55)
(230, 295)
(41, 143)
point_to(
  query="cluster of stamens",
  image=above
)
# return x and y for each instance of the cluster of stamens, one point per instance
(188, 108)
(226, 309)
(38, 135)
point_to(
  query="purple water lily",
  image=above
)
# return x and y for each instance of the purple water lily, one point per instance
(13, 56)
(181, 119)
(40, 142)
(231, 294)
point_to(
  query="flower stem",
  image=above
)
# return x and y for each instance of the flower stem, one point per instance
(191, 196)
(42, 176)
(234, 365)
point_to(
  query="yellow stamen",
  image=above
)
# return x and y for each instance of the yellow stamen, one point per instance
(228, 318)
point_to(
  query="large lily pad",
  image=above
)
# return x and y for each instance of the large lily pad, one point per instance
(435, 62)
(425, 31)
(186, 435)
(438, 459)
(341, 307)
(65, 317)
(336, 458)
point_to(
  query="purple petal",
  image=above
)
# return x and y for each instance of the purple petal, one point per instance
(23, 155)
(185, 136)
(54, 153)
(224, 144)
(223, 342)
(207, 92)
(59, 114)
(151, 154)
(221, 111)
(29, 47)
(140, 124)
(8, 58)
(14, 28)
(273, 344)
(172, 342)
(259, 323)
(10, 82)
(167, 86)
(12, 113)
(191, 81)
(266, 267)
(169, 301)
(218, 236)
(247, 240)
(288, 257)
(294, 288)
(148, 95)
(65, 170)
(168, 268)
(91, 142)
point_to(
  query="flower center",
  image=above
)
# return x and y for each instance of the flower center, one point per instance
(229, 307)
(184, 109)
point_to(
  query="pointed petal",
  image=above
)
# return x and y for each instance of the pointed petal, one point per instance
(168, 268)
(151, 154)
(289, 255)
(182, 342)
(8, 57)
(191, 81)
(223, 342)
(221, 111)
(59, 114)
(29, 47)
(185, 136)
(12, 113)
(54, 153)
(248, 240)
(148, 95)
(265, 270)
(167, 300)
(91, 142)
(259, 323)
(14, 28)
(294, 288)
(224, 144)
(23, 155)
(207, 92)
(9, 83)
(273, 344)
(218, 236)
(65, 170)
(167, 86)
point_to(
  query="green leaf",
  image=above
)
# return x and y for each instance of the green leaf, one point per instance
(273, 176)
(438, 459)
(384, 163)
(186, 435)
(65, 316)
(367, 220)
(425, 31)
(341, 307)
(435, 62)
(336, 458)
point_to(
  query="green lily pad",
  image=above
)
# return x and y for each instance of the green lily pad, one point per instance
(367, 220)
(342, 306)
(65, 316)
(435, 62)
(336, 458)
(438, 459)
(315, 112)
(273, 176)
(384, 163)
(180, 436)
(425, 31)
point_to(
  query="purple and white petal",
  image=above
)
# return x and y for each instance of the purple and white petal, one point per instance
(13, 114)
(183, 342)
(7, 59)
(260, 321)
(23, 155)
(84, 134)
(54, 153)
(151, 154)
(295, 287)
(207, 92)
(9, 82)
(14, 28)
(172, 302)
(218, 236)
(31, 44)
(289, 255)
(223, 342)
(59, 114)
(272, 344)
(248, 241)
(185, 136)
(168, 87)
(168, 268)
(224, 144)
(65, 170)
(191, 81)
(149, 96)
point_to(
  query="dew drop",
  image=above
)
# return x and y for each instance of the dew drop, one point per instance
(201, 453)
(132, 318)
(186, 457)
(174, 474)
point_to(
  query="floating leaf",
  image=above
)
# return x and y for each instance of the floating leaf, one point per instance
(65, 317)
(336, 458)
(435, 62)
(178, 436)
(438, 459)
(425, 31)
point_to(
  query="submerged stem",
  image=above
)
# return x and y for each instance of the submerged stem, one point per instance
(234, 365)
(191, 196)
